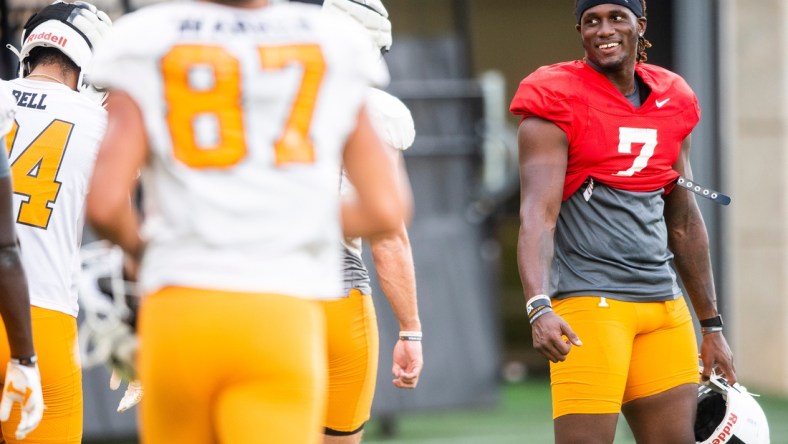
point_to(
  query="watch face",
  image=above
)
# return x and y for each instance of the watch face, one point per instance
(712, 322)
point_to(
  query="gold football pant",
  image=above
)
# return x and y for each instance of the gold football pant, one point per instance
(55, 340)
(236, 368)
(630, 350)
(352, 362)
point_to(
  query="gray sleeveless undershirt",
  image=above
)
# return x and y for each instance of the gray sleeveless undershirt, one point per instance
(354, 273)
(613, 245)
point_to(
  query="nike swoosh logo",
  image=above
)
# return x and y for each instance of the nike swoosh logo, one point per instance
(662, 103)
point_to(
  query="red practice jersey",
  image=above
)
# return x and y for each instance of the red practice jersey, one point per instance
(609, 139)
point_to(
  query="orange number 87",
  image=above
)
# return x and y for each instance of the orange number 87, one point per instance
(202, 88)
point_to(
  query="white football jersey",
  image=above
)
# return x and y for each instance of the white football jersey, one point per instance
(247, 112)
(52, 147)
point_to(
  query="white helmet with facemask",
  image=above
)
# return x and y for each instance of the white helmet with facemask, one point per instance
(75, 29)
(729, 414)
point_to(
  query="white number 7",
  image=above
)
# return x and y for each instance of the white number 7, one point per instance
(628, 136)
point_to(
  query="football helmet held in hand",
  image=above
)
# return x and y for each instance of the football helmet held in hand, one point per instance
(728, 413)
(109, 303)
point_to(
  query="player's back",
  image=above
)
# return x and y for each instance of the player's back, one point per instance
(247, 112)
(52, 147)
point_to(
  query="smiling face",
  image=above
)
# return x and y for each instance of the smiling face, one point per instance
(610, 36)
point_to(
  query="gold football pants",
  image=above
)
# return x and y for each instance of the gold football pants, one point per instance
(352, 361)
(235, 368)
(630, 350)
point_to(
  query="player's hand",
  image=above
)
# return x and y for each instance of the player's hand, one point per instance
(553, 337)
(94, 23)
(716, 356)
(408, 362)
(23, 385)
(96, 26)
(133, 394)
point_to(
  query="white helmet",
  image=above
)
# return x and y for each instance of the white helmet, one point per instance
(75, 29)
(109, 304)
(371, 14)
(728, 414)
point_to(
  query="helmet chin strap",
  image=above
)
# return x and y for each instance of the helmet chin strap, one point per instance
(21, 70)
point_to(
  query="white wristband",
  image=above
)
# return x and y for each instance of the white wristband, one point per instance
(536, 298)
(406, 335)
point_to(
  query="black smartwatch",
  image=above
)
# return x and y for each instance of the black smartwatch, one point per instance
(716, 321)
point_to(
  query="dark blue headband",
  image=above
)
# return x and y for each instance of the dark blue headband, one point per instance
(583, 5)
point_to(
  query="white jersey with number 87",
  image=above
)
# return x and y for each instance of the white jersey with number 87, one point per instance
(247, 115)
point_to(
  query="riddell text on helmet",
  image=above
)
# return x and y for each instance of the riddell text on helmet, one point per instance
(56, 39)
(725, 433)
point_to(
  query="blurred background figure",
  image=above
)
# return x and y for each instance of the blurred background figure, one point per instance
(351, 321)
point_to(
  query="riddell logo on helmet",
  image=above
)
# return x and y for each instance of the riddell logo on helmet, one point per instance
(59, 40)
(726, 432)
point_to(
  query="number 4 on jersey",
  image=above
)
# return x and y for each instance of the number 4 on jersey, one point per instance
(34, 172)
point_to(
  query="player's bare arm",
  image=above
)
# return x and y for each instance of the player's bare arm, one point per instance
(384, 200)
(22, 378)
(394, 265)
(689, 242)
(123, 152)
(543, 151)
(14, 300)
(391, 252)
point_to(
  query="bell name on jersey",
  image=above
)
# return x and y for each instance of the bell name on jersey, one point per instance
(28, 99)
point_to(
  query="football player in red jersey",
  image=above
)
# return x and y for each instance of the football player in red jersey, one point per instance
(602, 143)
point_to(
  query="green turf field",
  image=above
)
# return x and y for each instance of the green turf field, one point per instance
(523, 416)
